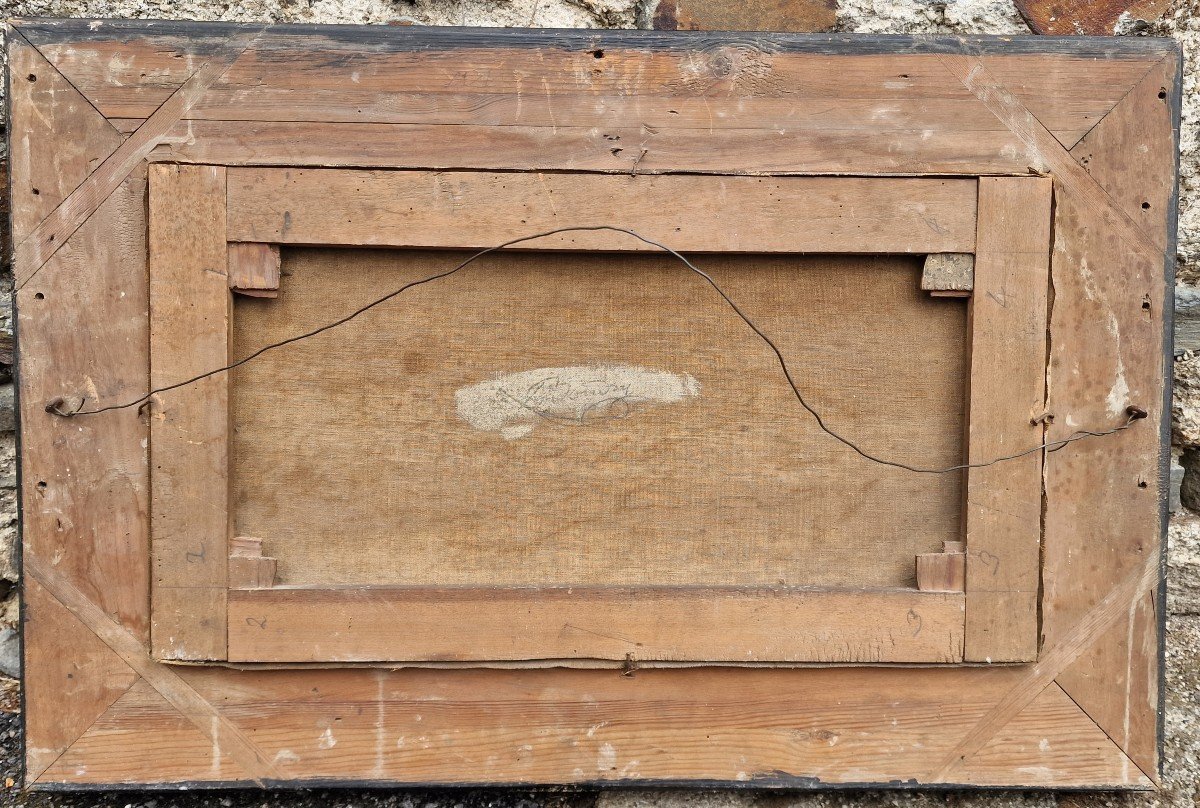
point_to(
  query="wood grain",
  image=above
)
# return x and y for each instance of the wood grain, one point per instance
(69, 679)
(1065, 738)
(662, 624)
(1065, 650)
(191, 705)
(82, 334)
(519, 101)
(1119, 492)
(248, 567)
(415, 76)
(779, 150)
(189, 334)
(1007, 394)
(45, 109)
(1114, 243)
(53, 231)
(774, 101)
(254, 269)
(1051, 157)
(482, 209)
(786, 728)
(1115, 152)
(941, 572)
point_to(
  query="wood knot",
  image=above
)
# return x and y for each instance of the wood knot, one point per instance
(720, 65)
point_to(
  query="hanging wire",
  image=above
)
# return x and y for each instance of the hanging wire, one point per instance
(1133, 414)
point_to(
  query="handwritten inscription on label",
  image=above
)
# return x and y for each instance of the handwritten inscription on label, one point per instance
(516, 403)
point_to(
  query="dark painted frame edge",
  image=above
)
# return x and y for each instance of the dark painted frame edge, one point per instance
(12, 35)
(773, 782)
(40, 30)
(1175, 105)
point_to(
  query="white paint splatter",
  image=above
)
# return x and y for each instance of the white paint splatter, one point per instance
(607, 760)
(215, 732)
(514, 404)
(1118, 394)
(1036, 775)
(327, 741)
(1089, 280)
(286, 756)
(592, 729)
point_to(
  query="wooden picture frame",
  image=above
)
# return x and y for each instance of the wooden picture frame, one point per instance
(162, 169)
(196, 209)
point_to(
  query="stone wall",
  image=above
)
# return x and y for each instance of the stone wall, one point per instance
(1180, 19)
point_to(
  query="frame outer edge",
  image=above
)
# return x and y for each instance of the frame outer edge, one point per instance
(1169, 267)
(12, 33)
(786, 782)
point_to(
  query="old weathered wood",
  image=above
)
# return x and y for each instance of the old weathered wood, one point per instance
(251, 573)
(1065, 737)
(1062, 652)
(621, 103)
(164, 679)
(949, 274)
(1050, 155)
(86, 319)
(1094, 375)
(189, 335)
(900, 116)
(941, 572)
(83, 338)
(81, 203)
(248, 567)
(483, 209)
(669, 623)
(521, 726)
(345, 85)
(254, 269)
(69, 679)
(780, 150)
(1115, 152)
(1007, 394)
(49, 109)
(1109, 229)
